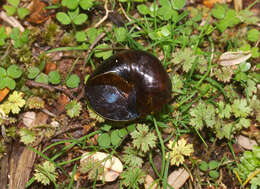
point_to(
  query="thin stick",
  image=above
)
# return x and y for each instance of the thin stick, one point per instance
(51, 88)
(11, 20)
(105, 17)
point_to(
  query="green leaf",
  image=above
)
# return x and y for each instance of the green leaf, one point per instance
(122, 133)
(42, 78)
(14, 71)
(203, 166)
(178, 4)
(143, 9)
(10, 83)
(71, 4)
(81, 36)
(133, 177)
(219, 11)
(2, 72)
(27, 136)
(142, 138)
(54, 77)
(15, 3)
(63, 18)
(92, 34)
(241, 108)
(3, 36)
(213, 164)
(243, 123)
(10, 10)
(86, 4)
(245, 66)
(186, 58)
(131, 157)
(255, 52)
(22, 12)
(15, 34)
(115, 138)
(80, 19)
(120, 34)
(45, 173)
(73, 81)
(103, 53)
(104, 140)
(253, 35)
(73, 109)
(33, 72)
(248, 17)
(214, 174)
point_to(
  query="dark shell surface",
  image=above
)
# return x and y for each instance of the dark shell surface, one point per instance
(128, 85)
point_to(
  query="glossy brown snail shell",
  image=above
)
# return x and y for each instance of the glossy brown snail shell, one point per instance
(128, 85)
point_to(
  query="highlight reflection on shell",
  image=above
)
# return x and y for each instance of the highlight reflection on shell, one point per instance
(127, 85)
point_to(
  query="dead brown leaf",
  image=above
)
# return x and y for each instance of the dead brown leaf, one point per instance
(38, 12)
(3, 93)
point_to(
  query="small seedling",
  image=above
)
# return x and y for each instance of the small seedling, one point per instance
(12, 8)
(71, 17)
(211, 168)
(7, 77)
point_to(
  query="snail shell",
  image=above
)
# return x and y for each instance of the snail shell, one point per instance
(128, 85)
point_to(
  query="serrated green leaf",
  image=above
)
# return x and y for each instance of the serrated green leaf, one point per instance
(203, 166)
(27, 136)
(73, 81)
(42, 78)
(241, 108)
(213, 164)
(80, 19)
(54, 77)
(33, 72)
(14, 71)
(214, 174)
(73, 109)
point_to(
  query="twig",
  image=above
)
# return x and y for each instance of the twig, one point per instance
(65, 130)
(105, 17)
(127, 17)
(11, 20)
(51, 88)
(48, 112)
